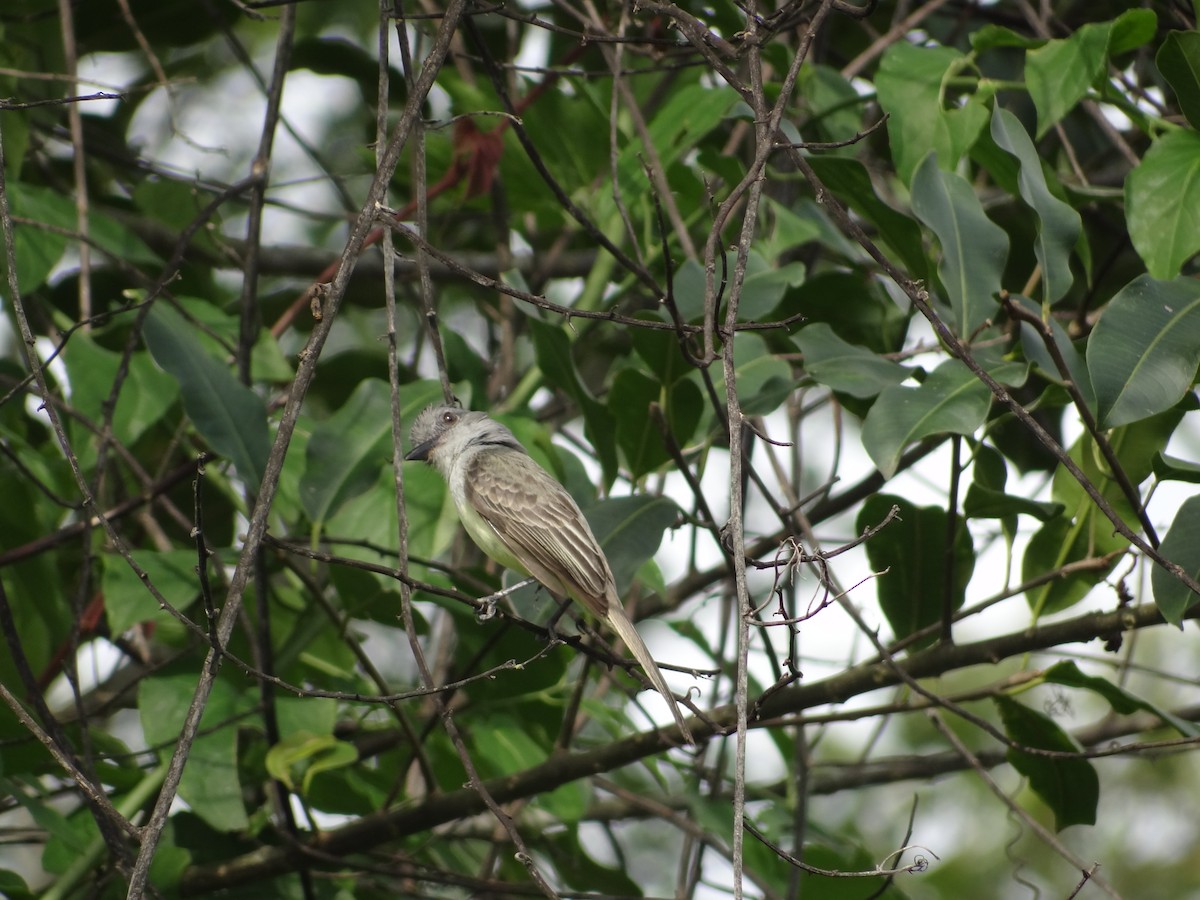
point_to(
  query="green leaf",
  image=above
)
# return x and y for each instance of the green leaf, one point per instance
(1068, 674)
(763, 379)
(1035, 350)
(37, 250)
(307, 755)
(845, 367)
(13, 885)
(911, 83)
(1181, 546)
(1143, 353)
(1132, 29)
(854, 306)
(1162, 203)
(1061, 541)
(1172, 468)
(765, 286)
(630, 530)
(986, 498)
(1060, 72)
(638, 434)
(211, 783)
(1178, 60)
(687, 115)
(850, 182)
(951, 400)
(347, 450)
(763, 289)
(974, 248)
(991, 36)
(659, 350)
(554, 358)
(145, 397)
(912, 550)
(229, 416)
(1069, 787)
(1058, 224)
(126, 600)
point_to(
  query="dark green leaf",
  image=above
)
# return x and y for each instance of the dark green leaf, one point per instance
(1178, 60)
(229, 416)
(554, 358)
(639, 434)
(1143, 354)
(1058, 223)
(660, 351)
(1067, 673)
(974, 248)
(1180, 546)
(854, 307)
(1162, 201)
(1056, 544)
(850, 182)
(912, 550)
(1069, 787)
(1171, 468)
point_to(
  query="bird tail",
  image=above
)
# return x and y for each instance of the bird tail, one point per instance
(628, 633)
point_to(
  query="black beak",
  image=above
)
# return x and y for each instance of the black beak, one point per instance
(421, 451)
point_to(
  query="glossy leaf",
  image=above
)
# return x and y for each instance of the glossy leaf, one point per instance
(1058, 224)
(974, 248)
(1069, 787)
(1144, 352)
(229, 416)
(1162, 200)
(912, 550)
(1181, 546)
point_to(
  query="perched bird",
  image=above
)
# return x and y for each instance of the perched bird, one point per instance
(520, 516)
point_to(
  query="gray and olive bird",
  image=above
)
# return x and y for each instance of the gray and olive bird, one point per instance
(521, 517)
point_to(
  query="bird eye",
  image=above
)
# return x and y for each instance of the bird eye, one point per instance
(449, 417)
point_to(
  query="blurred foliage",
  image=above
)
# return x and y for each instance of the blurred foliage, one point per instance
(936, 262)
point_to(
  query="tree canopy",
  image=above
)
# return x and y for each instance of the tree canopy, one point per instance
(865, 333)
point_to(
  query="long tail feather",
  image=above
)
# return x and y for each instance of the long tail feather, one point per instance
(626, 632)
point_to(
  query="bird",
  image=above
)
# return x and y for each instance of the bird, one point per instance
(524, 519)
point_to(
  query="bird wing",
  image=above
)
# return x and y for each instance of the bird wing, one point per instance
(539, 522)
